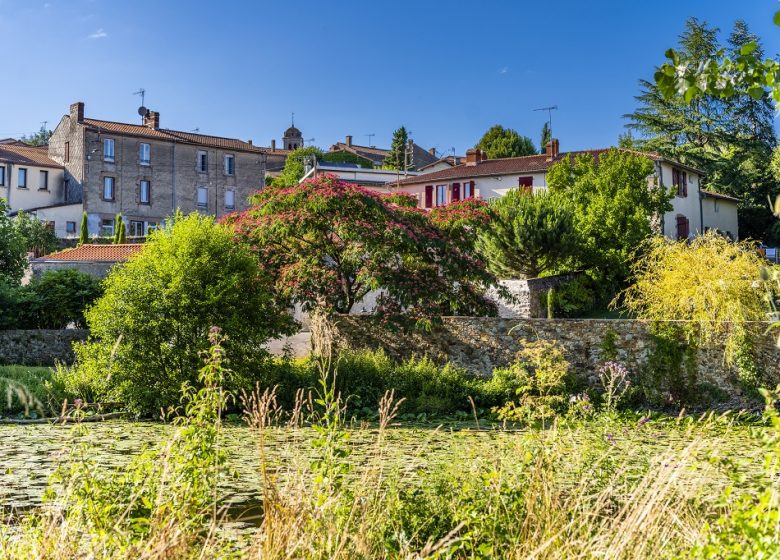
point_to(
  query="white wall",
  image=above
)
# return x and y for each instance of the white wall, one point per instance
(721, 215)
(60, 215)
(32, 196)
(486, 188)
(687, 206)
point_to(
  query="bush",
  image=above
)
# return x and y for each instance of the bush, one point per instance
(150, 328)
(27, 390)
(574, 298)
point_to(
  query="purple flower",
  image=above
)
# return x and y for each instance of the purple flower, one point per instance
(642, 421)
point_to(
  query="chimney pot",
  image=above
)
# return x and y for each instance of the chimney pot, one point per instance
(77, 111)
(349, 140)
(552, 149)
(152, 119)
(472, 156)
(273, 145)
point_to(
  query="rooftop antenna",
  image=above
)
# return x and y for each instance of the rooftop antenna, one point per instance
(196, 129)
(142, 110)
(43, 125)
(370, 137)
(549, 113)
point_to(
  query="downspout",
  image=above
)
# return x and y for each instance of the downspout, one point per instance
(701, 207)
(173, 176)
(9, 180)
(660, 171)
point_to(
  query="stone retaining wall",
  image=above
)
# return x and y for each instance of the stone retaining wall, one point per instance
(530, 296)
(39, 347)
(480, 344)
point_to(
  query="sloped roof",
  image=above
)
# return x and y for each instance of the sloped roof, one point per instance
(721, 196)
(451, 160)
(169, 135)
(95, 253)
(422, 157)
(27, 155)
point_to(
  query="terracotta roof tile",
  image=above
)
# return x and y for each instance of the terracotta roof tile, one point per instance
(712, 194)
(27, 155)
(96, 253)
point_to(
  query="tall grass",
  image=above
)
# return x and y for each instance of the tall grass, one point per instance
(571, 491)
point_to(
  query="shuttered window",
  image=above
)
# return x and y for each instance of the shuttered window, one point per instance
(683, 227)
(429, 196)
(455, 192)
(525, 184)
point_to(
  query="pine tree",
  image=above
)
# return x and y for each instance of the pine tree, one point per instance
(395, 159)
(546, 137)
(84, 231)
(117, 228)
(122, 233)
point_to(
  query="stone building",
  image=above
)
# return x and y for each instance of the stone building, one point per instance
(145, 173)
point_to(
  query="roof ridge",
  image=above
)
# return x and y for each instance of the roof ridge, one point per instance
(170, 130)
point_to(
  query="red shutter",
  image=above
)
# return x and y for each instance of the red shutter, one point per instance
(470, 194)
(525, 184)
(455, 192)
(682, 227)
(429, 196)
(684, 183)
(676, 181)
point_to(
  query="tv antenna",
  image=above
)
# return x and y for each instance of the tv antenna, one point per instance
(370, 136)
(549, 115)
(142, 110)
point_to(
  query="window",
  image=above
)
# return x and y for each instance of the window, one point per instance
(717, 205)
(22, 182)
(203, 162)
(150, 227)
(455, 192)
(43, 181)
(525, 184)
(108, 188)
(107, 227)
(230, 165)
(2, 175)
(230, 200)
(203, 197)
(441, 195)
(108, 149)
(145, 154)
(683, 227)
(70, 227)
(144, 192)
(428, 196)
(67, 152)
(680, 181)
(136, 228)
(468, 189)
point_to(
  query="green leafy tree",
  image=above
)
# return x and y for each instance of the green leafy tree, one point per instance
(500, 142)
(295, 166)
(529, 235)
(150, 328)
(13, 253)
(39, 238)
(40, 138)
(716, 124)
(395, 159)
(328, 244)
(615, 209)
(61, 297)
(545, 138)
(84, 230)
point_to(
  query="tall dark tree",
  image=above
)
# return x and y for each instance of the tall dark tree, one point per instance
(546, 137)
(395, 159)
(499, 142)
(40, 138)
(730, 139)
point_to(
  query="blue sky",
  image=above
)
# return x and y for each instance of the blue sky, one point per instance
(445, 70)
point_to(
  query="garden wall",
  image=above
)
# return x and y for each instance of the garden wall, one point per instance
(38, 347)
(480, 344)
(529, 296)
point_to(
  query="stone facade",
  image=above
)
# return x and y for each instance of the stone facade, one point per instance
(39, 347)
(480, 344)
(529, 297)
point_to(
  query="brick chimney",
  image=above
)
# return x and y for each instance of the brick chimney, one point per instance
(152, 119)
(273, 145)
(349, 140)
(552, 149)
(472, 156)
(432, 151)
(482, 155)
(77, 111)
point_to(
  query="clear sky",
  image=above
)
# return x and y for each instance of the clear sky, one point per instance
(445, 70)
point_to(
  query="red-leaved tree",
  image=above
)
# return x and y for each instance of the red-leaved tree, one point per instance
(329, 243)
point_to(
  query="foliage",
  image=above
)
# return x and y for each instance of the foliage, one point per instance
(396, 158)
(529, 235)
(500, 142)
(710, 281)
(13, 256)
(39, 238)
(615, 380)
(537, 378)
(546, 136)
(327, 244)
(709, 108)
(40, 138)
(614, 209)
(295, 166)
(670, 375)
(551, 303)
(24, 390)
(120, 230)
(84, 230)
(347, 157)
(149, 328)
(574, 297)
(54, 300)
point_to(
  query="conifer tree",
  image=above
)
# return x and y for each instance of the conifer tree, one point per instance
(84, 231)
(395, 159)
(546, 137)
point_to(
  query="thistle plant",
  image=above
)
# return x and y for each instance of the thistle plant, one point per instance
(614, 378)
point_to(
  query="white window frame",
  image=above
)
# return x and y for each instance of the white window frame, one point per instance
(232, 194)
(107, 225)
(108, 149)
(232, 159)
(106, 181)
(205, 191)
(141, 184)
(21, 172)
(441, 200)
(145, 150)
(68, 228)
(134, 230)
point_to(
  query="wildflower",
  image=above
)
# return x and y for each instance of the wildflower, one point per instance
(642, 421)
